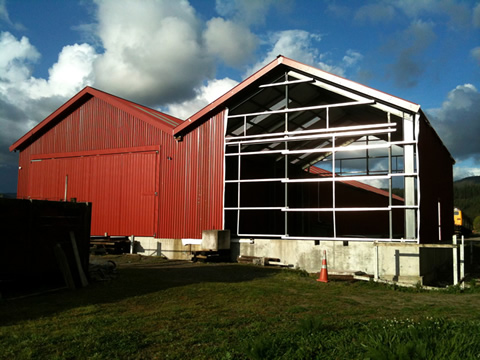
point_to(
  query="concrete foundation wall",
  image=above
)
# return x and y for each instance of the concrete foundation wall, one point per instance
(407, 263)
(402, 262)
(170, 248)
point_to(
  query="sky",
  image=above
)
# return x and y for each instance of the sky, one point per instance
(178, 56)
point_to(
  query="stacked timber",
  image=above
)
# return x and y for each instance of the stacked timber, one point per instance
(262, 261)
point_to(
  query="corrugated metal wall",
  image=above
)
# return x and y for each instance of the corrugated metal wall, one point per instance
(192, 184)
(102, 150)
(123, 190)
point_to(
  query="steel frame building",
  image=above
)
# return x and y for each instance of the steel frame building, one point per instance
(290, 118)
(292, 158)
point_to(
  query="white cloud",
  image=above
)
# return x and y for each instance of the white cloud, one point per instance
(476, 15)
(303, 46)
(476, 54)
(248, 12)
(204, 96)
(16, 59)
(26, 100)
(414, 8)
(153, 52)
(375, 13)
(352, 58)
(231, 42)
(5, 17)
(466, 168)
(459, 112)
(458, 12)
(72, 72)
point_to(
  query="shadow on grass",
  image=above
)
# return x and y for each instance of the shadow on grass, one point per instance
(132, 280)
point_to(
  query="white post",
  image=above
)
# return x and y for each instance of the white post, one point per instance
(462, 262)
(375, 262)
(66, 188)
(132, 244)
(455, 261)
(439, 223)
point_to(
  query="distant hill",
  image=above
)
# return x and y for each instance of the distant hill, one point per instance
(8, 195)
(466, 196)
(470, 179)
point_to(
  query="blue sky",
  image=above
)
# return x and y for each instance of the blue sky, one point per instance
(177, 56)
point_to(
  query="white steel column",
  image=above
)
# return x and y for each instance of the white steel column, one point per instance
(225, 125)
(409, 181)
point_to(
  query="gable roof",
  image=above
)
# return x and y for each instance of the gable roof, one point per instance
(357, 184)
(155, 118)
(282, 62)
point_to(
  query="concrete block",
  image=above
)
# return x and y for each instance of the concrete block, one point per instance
(216, 240)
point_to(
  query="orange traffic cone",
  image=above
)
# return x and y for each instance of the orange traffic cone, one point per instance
(324, 272)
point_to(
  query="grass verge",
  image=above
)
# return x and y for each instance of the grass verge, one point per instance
(177, 310)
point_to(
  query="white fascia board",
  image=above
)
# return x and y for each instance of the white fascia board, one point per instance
(356, 88)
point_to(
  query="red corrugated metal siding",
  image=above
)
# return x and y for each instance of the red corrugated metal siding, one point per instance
(189, 186)
(192, 183)
(123, 191)
(121, 186)
(97, 125)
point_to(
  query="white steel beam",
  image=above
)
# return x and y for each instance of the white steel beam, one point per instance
(355, 91)
(345, 238)
(314, 131)
(313, 137)
(261, 152)
(306, 108)
(307, 80)
(254, 180)
(337, 149)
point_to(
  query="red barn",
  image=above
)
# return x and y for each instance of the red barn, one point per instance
(291, 158)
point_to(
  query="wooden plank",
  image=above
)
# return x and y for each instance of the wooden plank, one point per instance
(81, 273)
(64, 267)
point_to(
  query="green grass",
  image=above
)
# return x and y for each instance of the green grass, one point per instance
(232, 311)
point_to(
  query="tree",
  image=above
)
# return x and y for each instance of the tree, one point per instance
(476, 223)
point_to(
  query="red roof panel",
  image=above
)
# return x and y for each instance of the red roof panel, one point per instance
(155, 118)
(325, 173)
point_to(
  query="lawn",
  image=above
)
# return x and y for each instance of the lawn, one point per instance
(181, 310)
